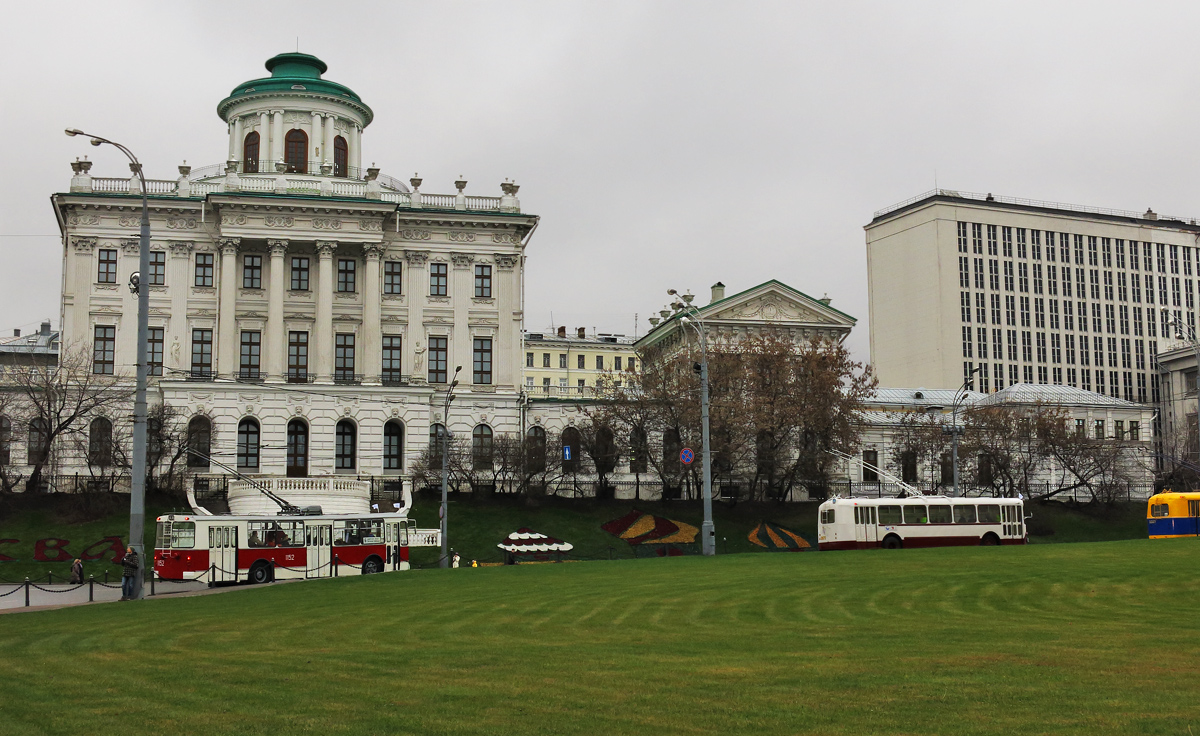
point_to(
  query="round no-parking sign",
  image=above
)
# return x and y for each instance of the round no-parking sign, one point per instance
(686, 456)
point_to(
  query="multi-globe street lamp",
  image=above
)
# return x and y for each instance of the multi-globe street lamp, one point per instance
(445, 561)
(691, 318)
(954, 430)
(137, 490)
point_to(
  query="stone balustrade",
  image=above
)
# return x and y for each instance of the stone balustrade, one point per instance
(333, 494)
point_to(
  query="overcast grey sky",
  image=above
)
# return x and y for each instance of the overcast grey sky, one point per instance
(664, 144)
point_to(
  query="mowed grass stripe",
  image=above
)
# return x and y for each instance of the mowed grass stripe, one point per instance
(1087, 638)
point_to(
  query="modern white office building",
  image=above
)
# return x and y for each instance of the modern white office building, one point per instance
(1023, 291)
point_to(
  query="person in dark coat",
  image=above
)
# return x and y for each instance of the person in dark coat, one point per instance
(77, 571)
(130, 563)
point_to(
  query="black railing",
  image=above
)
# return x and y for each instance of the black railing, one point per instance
(251, 375)
(301, 377)
(347, 379)
(201, 374)
(394, 379)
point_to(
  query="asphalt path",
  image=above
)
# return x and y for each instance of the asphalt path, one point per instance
(59, 595)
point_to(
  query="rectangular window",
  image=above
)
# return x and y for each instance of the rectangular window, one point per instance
(995, 309)
(482, 361)
(300, 266)
(1024, 311)
(580, 361)
(158, 268)
(1099, 433)
(977, 237)
(981, 308)
(437, 359)
(483, 282)
(392, 369)
(978, 273)
(1106, 249)
(1094, 282)
(437, 279)
(1052, 280)
(1124, 312)
(251, 272)
(202, 353)
(1093, 253)
(104, 349)
(1110, 320)
(343, 357)
(983, 342)
(1041, 347)
(1008, 276)
(545, 360)
(528, 360)
(297, 366)
(347, 275)
(599, 362)
(1095, 318)
(1050, 256)
(1035, 244)
(251, 355)
(1083, 317)
(1037, 278)
(1066, 281)
(204, 270)
(1122, 291)
(631, 364)
(967, 345)
(962, 237)
(391, 277)
(1071, 351)
(1085, 382)
(991, 240)
(562, 360)
(1055, 349)
(1021, 252)
(1078, 250)
(154, 350)
(1012, 346)
(106, 273)
(1108, 285)
(965, 305)
(1174, 259)
(1010, 310)
(994, 275)
(1039, 313)
(1162, 257)
(964, 272)
(1027, 346)
(1054, 314)
(1006, 239)
(1023, 277)
(1068, 315)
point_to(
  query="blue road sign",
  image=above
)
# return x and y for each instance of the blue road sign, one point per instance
(686, 456)
(566, 452)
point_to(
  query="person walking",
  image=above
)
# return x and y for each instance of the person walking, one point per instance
(77, 571)
(129, 576)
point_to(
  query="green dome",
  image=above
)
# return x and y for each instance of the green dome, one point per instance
(294, 72)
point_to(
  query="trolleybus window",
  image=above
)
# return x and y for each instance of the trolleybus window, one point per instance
(276, 533)
(964, 514)
(176, 535)
(939, 514)
(828, 516)
(915, 515)
(357, 531)
(889, 514)
(989, 513)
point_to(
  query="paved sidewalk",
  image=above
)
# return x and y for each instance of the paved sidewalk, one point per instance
(60, 595)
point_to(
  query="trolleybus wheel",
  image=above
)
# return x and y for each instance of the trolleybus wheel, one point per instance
(990, 540)
(891, 541)
(260, 572)
(371, 566)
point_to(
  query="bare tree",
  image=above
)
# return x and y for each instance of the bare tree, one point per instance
(56, 402)
(920, 439)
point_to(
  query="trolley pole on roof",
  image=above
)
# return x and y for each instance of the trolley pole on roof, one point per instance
(445, 560)
(137, 483)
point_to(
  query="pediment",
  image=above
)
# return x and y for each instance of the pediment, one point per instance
(776, 305)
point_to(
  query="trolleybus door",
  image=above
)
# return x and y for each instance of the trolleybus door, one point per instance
(860, 526)
(872, 529)
(318, 538)
(222, 553)
(1194, 515)
(389, 538)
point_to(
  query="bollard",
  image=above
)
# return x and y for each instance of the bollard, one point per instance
(106, 577)
(91, 588)
(212, 575)
(151, 582)
(336, 561)
(27, 591)
(50, 578)
(610, 552)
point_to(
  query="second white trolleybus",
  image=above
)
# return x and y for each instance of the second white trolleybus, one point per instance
(919, 521)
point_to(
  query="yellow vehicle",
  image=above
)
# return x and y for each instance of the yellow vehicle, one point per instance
(1170, 515)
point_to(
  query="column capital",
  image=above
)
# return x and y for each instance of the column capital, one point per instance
(229, 246)
(373, 251)
(326, 248)
(277, 112)
(277, 247)
(506, 262)
(83, 244)
(181, 248)
(416, 257)
(462, 260)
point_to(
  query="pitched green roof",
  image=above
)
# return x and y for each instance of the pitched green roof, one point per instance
(293, 72)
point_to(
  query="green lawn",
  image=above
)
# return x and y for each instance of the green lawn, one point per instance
(1070, 639)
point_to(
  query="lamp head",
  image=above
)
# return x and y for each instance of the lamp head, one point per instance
(1178, 335)
(97, 142)
(672, 292)
(686, 320)
(73, 132)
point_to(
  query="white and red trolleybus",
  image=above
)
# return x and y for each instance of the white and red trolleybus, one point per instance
(919, 521)
(258, 549)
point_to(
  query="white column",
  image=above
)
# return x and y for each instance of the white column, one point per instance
(276, 347)
(330, 132)
(321, 345)
(315, 149)
(508, 332)
(232, 141)
(226, 339)
(277, 135)
(179, 285)
(356, 148)
(372, 343)
(416, 289)
(235, 146)
(264, 138)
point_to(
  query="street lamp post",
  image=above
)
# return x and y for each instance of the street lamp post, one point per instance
(137, 490)
(708, 534)
(954, 430)
(1188, 334)
(445, 561)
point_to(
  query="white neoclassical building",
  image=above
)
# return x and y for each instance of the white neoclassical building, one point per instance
(306, 312)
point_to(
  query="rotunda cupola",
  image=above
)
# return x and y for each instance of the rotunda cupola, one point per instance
(295, 121)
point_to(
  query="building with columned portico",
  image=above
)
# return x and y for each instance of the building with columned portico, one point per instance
(306, 314)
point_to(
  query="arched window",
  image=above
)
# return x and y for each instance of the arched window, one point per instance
(247, 444)
(295, 151)
(250, 153)
(572, 443)
(297, 449)
(639, 451)
(393, 445)
(535, 450)
(481, 447)
(5, 440)
(199, 440)
(341, 157)
(35, 448)
(346, 445)
(100, 443)
(605, 452)
(437, 436)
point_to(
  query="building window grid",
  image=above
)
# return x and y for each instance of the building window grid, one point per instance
(1006, 240)
(1010, 310)
(979, 273)
(962, 237)
(154, 350)
(1106, 251)
(1039, 313)
(392, 356)
(483, 282)
(981, 336)
(1023, 277)
(343, 356)
(977, 237)
(202, 352)
(994, 275)
(1035, 244)
(1093, 251)
(347, 274)
(482, 361)
(1054, 314)
(991, 240)
(297, 355)
(204, 270)
(300, 272)
(437, 359)
(106, 271)
(251, 272)
(981, 308)
(158, 268)
(1012, 346)
(437, 279)
(995, 299)
(1068, 315)
(104, 349)
(1021, 251)
(250, 356)
(1025, 311)
(392, 277)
